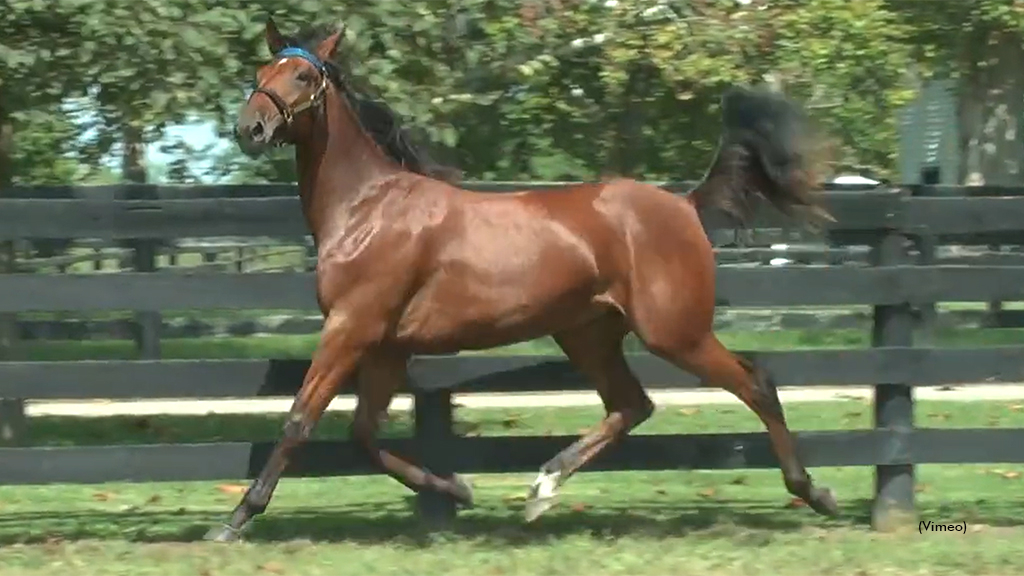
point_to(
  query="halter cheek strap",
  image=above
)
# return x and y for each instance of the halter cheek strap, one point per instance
(288, 113)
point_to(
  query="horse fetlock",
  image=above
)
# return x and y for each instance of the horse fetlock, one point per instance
(542, 494)
(462, 491)
(820, 499)
(224, 533)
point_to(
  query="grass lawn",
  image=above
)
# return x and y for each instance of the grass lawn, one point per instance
(719, 523)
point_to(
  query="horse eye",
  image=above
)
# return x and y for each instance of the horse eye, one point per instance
(306, 77)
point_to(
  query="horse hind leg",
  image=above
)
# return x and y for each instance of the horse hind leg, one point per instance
(381, 375)
(715, 365)
(595, 349)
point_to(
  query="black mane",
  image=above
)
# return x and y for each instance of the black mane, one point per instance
(374, 115)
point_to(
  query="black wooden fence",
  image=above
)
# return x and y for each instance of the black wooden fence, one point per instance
(898, 284)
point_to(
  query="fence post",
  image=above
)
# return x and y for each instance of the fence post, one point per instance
(894, 402)
(434, 434)
(13, 422)
(144, 254)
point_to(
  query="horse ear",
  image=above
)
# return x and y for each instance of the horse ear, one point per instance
(326, 50)
(275, 41)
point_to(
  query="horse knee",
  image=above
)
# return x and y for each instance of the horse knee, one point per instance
(298, 427)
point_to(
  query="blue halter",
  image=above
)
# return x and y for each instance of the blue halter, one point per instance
(296, 52)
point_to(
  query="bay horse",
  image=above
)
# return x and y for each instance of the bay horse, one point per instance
(410, 263)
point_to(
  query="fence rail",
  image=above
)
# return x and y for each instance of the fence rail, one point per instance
(900, 279)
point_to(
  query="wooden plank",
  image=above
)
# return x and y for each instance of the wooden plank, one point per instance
(478, 373)
(805, 368)
(849, 285)
(237, 461)
(281, 189)
(281, 216)
(151, 219)
(141, 379)
(272, 210)
(737, 286)
(948, 216)
(158, 291)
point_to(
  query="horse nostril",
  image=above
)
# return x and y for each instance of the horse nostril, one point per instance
(257, 130)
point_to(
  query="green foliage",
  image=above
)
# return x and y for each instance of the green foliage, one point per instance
(507, 89)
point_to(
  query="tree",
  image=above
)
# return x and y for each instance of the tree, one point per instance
(980, 45)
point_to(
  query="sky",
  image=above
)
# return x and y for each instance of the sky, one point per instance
(198, 134)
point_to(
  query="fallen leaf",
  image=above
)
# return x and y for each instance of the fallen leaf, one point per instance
(232, 488)
(578, 507)
(707, 493)
(921, 488)
(689, 411)
(153, 499)
(1017, 407)
(1010, 475)
(102, 496)
(796, 503)
(739, 480)
(272, 567)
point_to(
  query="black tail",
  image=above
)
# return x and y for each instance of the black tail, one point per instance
(766, 150)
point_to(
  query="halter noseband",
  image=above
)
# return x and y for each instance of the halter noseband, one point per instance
(282, 107)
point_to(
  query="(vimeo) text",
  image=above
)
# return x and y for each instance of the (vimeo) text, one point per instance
(927, 526)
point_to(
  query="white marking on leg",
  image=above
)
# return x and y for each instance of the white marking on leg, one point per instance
(542, 494)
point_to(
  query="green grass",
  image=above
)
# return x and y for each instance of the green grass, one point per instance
(677, 522)
(301, 346)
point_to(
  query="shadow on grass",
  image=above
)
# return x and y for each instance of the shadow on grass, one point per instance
(741, 520)
(377, 523)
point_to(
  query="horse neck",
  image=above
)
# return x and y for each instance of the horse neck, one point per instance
(337, 168)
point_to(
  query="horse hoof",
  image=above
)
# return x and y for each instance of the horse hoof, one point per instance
(462, 491)
(536, 507)
(823, 501)
(223, 533)
(542, 495)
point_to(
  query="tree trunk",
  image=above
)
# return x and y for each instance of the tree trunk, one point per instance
(991, 104)
(133, 169)
(8, 322)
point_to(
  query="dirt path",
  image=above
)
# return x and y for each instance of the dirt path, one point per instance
(1008, 392)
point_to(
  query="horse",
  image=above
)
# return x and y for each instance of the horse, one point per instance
(410, 263)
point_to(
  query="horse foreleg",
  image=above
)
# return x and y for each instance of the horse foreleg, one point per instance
(333, 362)
(382, 373)
(596, 350)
